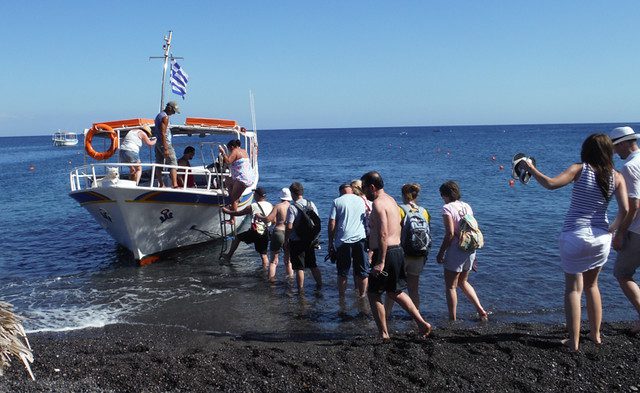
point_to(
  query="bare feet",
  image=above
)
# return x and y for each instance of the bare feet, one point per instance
(484, 316)
(425, 331)
(596, 339)
(568, 344)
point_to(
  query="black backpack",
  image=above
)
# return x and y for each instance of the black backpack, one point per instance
(308, 224)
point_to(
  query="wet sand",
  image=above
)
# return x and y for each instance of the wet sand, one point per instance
(491, 357)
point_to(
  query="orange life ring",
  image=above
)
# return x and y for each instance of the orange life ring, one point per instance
(101, 155)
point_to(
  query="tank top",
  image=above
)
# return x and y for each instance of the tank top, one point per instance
(158, 126)
(131, 141)
(588, 206)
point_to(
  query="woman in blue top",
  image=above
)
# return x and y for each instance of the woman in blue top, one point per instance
(585, 240)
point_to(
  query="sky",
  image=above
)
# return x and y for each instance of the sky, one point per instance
(321, 64)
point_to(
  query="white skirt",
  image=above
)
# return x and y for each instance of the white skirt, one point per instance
(584, 249)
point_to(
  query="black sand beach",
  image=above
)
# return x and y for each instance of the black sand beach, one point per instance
(493, 357)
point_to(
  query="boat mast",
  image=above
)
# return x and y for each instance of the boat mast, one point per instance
(166, 57)
(166, 47)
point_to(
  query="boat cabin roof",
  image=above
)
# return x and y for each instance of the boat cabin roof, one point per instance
(193, 126)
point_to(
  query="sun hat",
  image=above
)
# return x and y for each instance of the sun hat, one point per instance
(621, 134)
(173, 105)
(260, 192)
(285, 194)
(146, 128)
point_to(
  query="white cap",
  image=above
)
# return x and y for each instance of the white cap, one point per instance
(285, 194)
(621, 134)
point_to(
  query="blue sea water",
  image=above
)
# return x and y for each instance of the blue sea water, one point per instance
(62, 271)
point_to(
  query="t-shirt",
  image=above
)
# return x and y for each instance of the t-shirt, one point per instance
(292, 213)
(349, 212)
(631, 173)
(266, 210)
(456, 210)
(158, 127)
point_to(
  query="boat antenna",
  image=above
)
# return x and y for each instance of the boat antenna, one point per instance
(166, 57)
(253, 111)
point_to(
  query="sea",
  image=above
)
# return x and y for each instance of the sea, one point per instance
(62, 271)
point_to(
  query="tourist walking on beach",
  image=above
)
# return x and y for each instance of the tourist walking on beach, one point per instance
(258, 233)
(415, 255)
(301, 250)
(165, 154)
(130, 149)
(585, 240)
(278, 216)
(241, 171)
(347, 240)
(627, 238)
(387, 272)
(456, 262)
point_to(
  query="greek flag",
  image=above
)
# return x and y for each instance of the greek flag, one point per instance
(179, 79)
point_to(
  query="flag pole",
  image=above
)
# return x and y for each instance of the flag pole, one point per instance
(167, 47)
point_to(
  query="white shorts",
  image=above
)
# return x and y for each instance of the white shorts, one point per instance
(584, 249)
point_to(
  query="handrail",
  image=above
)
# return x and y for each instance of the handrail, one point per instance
(215, 179)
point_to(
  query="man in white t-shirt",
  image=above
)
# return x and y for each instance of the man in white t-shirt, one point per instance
(627, 238)
(347, 239)
(258, 233)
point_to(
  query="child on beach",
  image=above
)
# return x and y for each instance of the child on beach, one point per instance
(585, 240)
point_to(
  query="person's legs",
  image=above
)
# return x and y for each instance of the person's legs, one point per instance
(572, 293)
(343, 265)
(158, 176)
(137, 174)
(300, 279)
(450, 284)
(468, 290)
(594, 303)
(361, 267)
(379, 316)
(405, 302)
(632, 292)
(234, 245)
(273, 264)
(132, 172)
(413, 283)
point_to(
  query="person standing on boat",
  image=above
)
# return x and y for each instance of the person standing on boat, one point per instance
(130, 149)
(387, 267)
(585, 240)
(258, 233)
(347, 240)
(241, 171)
(627, 238)
(301, 252)
(164, 150)
(187, 156)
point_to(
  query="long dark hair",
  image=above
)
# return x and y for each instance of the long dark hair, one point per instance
(597, 151)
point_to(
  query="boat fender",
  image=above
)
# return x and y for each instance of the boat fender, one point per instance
(101, 155)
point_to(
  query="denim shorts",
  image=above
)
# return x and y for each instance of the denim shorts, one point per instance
(628, 259)
(352, 252)
(129, 156)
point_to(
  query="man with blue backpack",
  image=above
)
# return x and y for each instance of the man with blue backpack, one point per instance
(301, 236)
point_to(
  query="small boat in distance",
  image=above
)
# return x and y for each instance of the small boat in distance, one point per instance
(64, 138)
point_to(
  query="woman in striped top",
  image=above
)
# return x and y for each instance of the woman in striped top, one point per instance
(585, 240)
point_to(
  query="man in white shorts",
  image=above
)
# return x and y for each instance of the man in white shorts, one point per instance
(627, 239)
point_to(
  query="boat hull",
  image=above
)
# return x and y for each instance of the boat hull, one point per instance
(150, 220)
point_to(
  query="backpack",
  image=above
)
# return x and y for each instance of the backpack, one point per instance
(308, 225)
(470, 236)
(415, 237)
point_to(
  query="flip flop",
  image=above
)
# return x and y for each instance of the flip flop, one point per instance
(516, 159)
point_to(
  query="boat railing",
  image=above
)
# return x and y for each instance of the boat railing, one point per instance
(92, 175)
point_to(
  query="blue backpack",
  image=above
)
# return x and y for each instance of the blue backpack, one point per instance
(415, 237)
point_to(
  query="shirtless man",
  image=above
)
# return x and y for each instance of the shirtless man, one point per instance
(387, 272)
(278, 216)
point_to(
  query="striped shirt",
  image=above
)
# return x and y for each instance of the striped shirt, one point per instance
(588, 208)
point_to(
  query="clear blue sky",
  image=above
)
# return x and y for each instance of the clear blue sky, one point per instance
(317, 64)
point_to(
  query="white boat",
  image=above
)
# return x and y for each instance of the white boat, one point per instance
(147, 219)
(64, 138)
